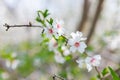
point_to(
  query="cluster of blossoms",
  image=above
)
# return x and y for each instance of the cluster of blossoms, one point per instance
(63, 46)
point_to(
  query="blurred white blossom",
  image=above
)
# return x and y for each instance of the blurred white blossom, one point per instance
(12, 64)
(59, 58)
(52, 45)
(90, 61)
(66, 51)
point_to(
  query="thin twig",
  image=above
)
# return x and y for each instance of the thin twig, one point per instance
(54, 77)
(28, 25)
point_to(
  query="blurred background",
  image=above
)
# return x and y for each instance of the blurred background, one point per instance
(22, 57)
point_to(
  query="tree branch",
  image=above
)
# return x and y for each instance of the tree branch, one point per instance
(28, 25)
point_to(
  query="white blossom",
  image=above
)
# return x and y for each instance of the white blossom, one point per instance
(66, 51)
(59, 58)
(90, 62)
(76, 42)
(58, 25)
(52, 45)
(12, 64)
(50, 31)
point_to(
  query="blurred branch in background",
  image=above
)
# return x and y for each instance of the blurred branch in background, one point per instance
(93, 26)
(84, 15)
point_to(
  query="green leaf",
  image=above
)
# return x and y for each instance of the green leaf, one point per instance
(105, 71)
(113, 73)
(50, 21)
(38, 19)
(45, 14)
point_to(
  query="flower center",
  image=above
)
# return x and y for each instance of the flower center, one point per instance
(50, 31)
(77, 44)
(92, 60)
(58, 26)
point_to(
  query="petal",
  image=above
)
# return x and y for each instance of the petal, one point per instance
(73, 35)
(79, 34)
(80, 63)
(81, 50)
(87, 60)
(83, 39)
(97, 57)
(83, 45)
(49, 36)
(96, 63)
(89, 67)
(72, 49)
(71, 42)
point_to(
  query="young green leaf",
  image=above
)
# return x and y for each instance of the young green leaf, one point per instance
(113, 73)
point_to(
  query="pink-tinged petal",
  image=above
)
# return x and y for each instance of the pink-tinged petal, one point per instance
(72, 49)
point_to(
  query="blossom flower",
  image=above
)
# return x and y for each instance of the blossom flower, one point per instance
(14, 64)
(58, 58)
(52, 45)
(58, 25)
(90, 62)
(76, 42)
(66, 52)
(50, 31)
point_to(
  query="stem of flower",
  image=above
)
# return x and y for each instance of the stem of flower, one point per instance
(98, 73)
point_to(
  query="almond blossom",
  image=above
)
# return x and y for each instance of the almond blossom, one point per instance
(66, 51)
(52, 45)
(90, 62)
(59, 58)
(50, 31)
(76, 42)
(58, 25)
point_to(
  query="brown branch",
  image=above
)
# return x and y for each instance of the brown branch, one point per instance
(28, 25)
(93, 26)
(84, 15)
